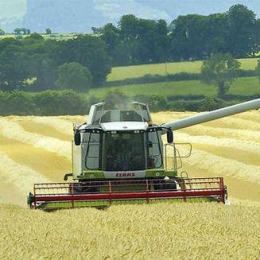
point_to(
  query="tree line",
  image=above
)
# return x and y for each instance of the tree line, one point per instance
(35, 64)
(189, 37)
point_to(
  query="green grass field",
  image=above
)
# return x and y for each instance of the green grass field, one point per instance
(54, 36)
(242, 86)
(120, 73)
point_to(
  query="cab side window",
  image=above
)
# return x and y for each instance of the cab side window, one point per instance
(92, 158)
(154, 151)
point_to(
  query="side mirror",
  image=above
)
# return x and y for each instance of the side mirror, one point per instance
(77, 138)
(169, 136)
(67, 175)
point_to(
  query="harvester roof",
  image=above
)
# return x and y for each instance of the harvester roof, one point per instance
(124, 126)
(133, 112)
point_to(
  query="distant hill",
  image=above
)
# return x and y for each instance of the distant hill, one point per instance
(81, 15)
(62, 15)
(11, 13)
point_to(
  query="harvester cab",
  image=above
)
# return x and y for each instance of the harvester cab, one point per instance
(119, 155)
(119, 144)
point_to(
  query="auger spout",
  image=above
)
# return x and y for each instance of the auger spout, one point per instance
(215, 114)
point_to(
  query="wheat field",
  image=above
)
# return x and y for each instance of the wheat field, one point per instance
(37, 149)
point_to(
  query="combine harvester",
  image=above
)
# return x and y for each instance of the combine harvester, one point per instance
(118, 156)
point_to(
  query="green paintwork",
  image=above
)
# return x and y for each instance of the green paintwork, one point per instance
(92, 175)
(148, 174)
(159, 173)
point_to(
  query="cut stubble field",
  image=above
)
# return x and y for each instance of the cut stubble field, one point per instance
(37, 149)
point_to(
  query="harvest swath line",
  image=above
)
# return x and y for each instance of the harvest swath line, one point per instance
(134, 231)
(238, 134)
(221, 142)
(46, 163)
(228, 153)
(13, 130)
(17, 178)
(32, 125)
(225, 167)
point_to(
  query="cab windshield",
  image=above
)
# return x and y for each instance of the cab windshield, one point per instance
(124, 151)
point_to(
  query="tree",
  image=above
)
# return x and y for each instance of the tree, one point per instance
(220, 70)
(74, 76)
(257, 37)
(9, 43)
(43, 69)
(110, 35)
(241, 31)
(90, 52)
(197, 37)
(188, 37)
(2, 32)
(216, 34)
(257, 69)
(142, 40)
(17, 31)
(96, 30)
(48, 31)
(13, 66)
(35, 36)
(22, 31)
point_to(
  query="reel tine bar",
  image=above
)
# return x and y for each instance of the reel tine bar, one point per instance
(127, 190)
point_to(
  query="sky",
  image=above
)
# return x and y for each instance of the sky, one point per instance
(12, 8)
(13, 13)
(17, 8)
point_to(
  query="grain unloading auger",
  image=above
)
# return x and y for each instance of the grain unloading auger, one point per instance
(119, 156)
